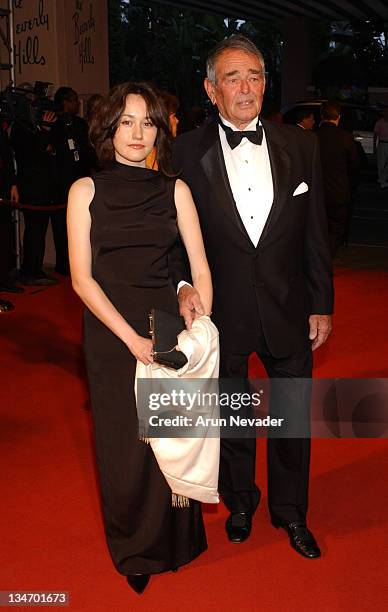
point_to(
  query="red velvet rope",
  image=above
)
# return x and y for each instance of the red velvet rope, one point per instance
(19, 206)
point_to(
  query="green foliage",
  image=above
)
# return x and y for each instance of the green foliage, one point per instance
(117, 34)
(169, 46)
(358, 57)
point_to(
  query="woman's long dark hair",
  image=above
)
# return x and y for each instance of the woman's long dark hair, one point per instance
(106, 118)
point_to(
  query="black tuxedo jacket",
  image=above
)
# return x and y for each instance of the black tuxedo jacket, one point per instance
(340, 164)
(275, 286)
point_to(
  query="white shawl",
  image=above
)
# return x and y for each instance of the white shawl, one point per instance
(190, 465)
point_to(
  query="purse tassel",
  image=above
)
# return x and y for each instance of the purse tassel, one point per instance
(180, 501)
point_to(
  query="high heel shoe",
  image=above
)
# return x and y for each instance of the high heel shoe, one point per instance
(138, 582)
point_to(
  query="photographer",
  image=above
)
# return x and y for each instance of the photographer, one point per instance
(70, 139)
(37, 187)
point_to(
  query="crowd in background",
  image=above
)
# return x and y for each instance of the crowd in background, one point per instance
(39, 161)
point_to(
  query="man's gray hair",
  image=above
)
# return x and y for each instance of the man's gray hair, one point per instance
(236, 41)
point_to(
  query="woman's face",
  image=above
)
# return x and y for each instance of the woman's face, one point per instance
(135, 135)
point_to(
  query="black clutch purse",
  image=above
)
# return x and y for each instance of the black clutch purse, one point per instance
(164, 330)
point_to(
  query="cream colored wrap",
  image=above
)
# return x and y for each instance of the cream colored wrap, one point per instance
(190, 465)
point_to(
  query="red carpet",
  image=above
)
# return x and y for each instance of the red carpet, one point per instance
(52, 537)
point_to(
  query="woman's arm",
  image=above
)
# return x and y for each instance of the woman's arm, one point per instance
(90, 292)
(190, 231)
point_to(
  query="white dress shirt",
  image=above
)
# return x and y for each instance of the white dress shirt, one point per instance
(250, 177)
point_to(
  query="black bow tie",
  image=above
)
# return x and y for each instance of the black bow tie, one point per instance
(235, 137)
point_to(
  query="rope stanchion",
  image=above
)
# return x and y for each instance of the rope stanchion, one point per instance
(19, 206)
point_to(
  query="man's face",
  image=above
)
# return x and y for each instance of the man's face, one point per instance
(239, 88)
(308, 122)
(71, 104)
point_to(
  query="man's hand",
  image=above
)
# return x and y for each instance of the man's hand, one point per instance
(320, 328)
(190, 305)
(48, 119)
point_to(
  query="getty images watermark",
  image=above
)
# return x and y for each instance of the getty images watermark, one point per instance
(194, 403)
(197, 401)
(282, 407)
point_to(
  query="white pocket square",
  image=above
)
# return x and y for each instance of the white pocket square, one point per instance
(302, 188)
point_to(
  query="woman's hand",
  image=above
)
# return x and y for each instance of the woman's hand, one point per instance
(141, 348)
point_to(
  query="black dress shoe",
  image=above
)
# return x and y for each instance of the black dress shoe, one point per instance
(301, 538)
(238, 526)
(138, 582)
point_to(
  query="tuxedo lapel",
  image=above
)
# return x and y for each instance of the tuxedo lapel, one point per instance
(280, 168)
(213, 165)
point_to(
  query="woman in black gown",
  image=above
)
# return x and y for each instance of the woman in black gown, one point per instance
(122, 224)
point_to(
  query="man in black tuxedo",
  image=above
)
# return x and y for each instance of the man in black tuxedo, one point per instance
(340, 170)
(257, 187)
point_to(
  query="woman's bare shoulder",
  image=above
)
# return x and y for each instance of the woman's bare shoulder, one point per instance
(83, 188)
(181, 188)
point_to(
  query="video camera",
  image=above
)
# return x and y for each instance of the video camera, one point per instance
(27, 104)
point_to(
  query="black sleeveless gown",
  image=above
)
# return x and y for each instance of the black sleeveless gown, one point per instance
(133, 227)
